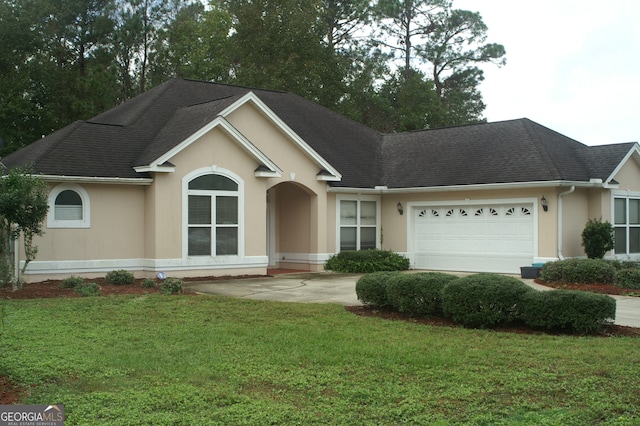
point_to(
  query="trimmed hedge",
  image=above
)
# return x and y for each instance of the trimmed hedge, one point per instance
(484, 300)
(88, 289)
(568, 310)
(367, 261)
(628, 278)
(581, 271)
(71, 282)
(120, 277)
(371, 289)
(419, 293)
(171, 285)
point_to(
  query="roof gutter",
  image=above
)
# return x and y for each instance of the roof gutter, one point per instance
(97, 179)
(560, 197)
(595, 183)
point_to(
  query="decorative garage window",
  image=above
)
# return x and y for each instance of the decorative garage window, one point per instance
(212, 211)
(627, 225)
(68, 207)
(358, 223)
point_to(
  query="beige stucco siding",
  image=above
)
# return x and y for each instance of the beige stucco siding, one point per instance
(394, 225)
(575, 214)
(217, 152)
(629, 176)
(117, 227)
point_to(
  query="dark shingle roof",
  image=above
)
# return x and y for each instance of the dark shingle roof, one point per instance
(488, 153)
(141, 130)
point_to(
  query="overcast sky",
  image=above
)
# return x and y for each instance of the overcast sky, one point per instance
(572, 65)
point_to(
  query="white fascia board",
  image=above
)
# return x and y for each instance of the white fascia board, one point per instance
(252, 97)
(488, 186)
(634, 150)
(224, 125)
(97, 179)
(157, 169)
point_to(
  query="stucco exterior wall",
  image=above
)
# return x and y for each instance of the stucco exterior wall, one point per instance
(394, 225)
(117, 227)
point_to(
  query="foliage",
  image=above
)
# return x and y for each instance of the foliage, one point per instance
(371, 288)
(568, 310)
(88, 289)
(120, 277)
(582, 271)
(67, 61)
(209, 359)
(419, 293)
(72, 282)
(23, 209)
(484, 300)
(365, 261)
(171, 285)
(628, 278)
(597, 238)
(148, 283)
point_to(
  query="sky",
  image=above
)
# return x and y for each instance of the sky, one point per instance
(572, 65)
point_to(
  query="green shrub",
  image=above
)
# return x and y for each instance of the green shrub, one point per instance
(484, 300)
(171, 285)
(71, 282)
(367, 261)
(419, 293)
(581, 271)
(568, 310)
(371, 288)
(120, 277)
(628, 278)
(624, 264)
(88, 289)
(148, 283)
(597, 238)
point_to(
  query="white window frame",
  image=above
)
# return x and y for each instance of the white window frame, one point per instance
(626, 195)
(185, 210)
(85, 222)
(358, 199)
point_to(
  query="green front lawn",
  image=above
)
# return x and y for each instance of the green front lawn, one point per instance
(189, 360)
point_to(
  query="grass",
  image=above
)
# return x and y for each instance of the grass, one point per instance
(185, 360)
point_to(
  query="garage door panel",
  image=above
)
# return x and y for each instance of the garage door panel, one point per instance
(489, 238)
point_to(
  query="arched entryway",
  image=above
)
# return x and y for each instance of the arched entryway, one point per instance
(292, 232)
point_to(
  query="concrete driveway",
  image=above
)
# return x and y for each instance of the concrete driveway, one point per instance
(330, 287)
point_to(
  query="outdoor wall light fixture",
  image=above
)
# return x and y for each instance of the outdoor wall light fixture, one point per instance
(400, 209)
(543, 203)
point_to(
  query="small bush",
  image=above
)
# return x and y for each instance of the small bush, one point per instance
(581, 271)
(628, 278)
(484, 300)
(568, 310)
(120, 277)
(88, 289)
(419, 293)
(148, 283)
(171, 285)
(597, 238)
(371, 288)
(367, 261)
(71, 282)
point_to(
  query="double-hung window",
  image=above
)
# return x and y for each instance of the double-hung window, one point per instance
(212, 216)
(627, 225)
(358, 224)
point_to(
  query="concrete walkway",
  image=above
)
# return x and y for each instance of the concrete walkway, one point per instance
(329, 287)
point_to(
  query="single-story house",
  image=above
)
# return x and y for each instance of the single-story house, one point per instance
(195, 178)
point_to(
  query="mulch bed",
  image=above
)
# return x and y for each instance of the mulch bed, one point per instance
(10, 394)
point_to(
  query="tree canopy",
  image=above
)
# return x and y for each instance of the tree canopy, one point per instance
(391, 64)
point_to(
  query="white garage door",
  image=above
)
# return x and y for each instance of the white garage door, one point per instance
(482, 238)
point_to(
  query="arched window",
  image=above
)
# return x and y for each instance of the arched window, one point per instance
(212, 211)
(68, 207)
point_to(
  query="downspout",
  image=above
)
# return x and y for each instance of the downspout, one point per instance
(562, 194)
